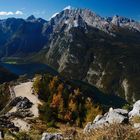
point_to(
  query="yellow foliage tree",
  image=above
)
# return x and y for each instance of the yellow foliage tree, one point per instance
(92, 110)
(60, 88)
(72, 105)
(77, 92)
(68, 116)
(53, 82)
(56, 100)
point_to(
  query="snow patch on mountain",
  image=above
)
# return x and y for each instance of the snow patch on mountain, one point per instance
(68, 8)
(54, 15)
(76, 23)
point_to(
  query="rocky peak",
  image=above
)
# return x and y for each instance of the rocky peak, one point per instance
(77, 17)
(118, 20)
(40, 20)
(66, 19)
(94, 20)
(31, 18)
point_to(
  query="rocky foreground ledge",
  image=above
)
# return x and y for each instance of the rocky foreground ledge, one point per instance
(115, 116)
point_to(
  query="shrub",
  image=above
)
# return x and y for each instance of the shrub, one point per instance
(4, 95)
(22, 136)
(47, 113)
(51, 124)
(136, 119)
(127, 107)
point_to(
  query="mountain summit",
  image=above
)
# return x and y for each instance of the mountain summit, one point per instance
(32, 17)
(69, 16)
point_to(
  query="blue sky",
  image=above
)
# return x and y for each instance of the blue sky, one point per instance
(46, 8)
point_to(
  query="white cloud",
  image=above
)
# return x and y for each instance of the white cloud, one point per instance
(19, 13)
(4, 13)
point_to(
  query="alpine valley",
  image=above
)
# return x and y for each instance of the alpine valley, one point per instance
(68, 70)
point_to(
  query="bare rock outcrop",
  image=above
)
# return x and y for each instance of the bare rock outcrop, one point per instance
(113, 116)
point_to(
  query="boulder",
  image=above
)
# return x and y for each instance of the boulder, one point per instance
(21, 103)
(117, 116)
(20, 113)
(24, 103)
(113, 116)
(121, 111)
(15, 101)
(52, 136)
(5, 123)
(98, 117)
(88, 127)
(136, 110)
(23, 113)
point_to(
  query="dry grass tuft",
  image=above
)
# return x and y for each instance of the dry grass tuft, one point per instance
(113, 132)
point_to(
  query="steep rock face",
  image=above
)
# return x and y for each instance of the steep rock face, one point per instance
(113, 72)
(102, 51)
(98, 58)
(20, 37)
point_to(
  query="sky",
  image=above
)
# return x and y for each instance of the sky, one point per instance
(46, 8)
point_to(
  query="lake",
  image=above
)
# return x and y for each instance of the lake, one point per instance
(29, 69)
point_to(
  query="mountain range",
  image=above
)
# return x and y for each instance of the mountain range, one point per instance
(79, 44)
